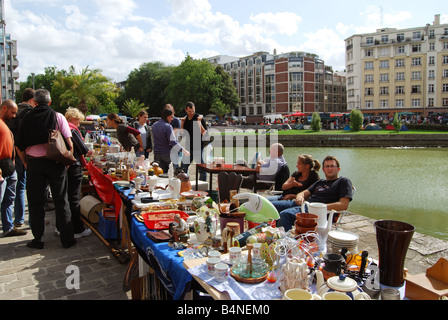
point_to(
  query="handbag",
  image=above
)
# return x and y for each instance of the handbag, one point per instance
(57, 147)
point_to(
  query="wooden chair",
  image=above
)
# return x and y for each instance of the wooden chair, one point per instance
(227, 182)
(276, 185)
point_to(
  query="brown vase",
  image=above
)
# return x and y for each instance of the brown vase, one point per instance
(393, 238)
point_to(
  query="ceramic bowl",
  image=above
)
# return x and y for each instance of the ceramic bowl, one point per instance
(301, 230)
(307, 220)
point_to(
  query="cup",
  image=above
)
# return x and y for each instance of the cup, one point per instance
(234, 254)
(336, 296)
(214, 254)
(298, 294)
(211, 263)
(221, 272)
(256, 251)
(390, 294)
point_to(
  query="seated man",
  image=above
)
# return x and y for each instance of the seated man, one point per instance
(268, 167)
(335, 191)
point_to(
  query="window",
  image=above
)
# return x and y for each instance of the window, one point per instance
(416, 61)
(416, 48)
(432, 46)
(369, 40)
(384, 91)
(400, 76)
(400, 37)
(431, 102)
(445, 60)
(384, 103)
(445, 102)
(445, 73)
(401, 50)
(432, 60)
(415, 89)
(399, 90)
(384, 52)
(415, 103)
(399, 103)
(416, 75)
(369, 78)
(368, 65)
(369, 91)
(369, 53)
(431, 74)
(384, 77)
(385, 39)
(431, 88)
(432, 34)
(384, 64)
(399, 63)
(369, 104)
(445, 45)
(417, 35)
(445, 87)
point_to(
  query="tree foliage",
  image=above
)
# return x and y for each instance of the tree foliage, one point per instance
(316, 124)
(356, 120)
(133, 107)
(397, 122)
(86, 90)
(148, 84)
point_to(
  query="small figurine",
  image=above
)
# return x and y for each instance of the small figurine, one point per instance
(180, 229)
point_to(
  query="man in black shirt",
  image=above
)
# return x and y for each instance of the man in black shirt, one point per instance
(196, 127)
(336, 192)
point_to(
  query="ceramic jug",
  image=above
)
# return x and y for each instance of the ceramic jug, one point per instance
(319, 209)
(174, 188)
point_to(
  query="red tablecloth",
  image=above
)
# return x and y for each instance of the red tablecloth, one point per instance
(105, 188)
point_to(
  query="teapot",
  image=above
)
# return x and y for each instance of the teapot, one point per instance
(185, 184)
(340, 283)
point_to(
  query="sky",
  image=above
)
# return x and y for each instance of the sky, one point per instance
(118, 36)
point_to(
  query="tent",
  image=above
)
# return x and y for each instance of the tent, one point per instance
(407, 113)
(404, 128)
(297, 114)
(372, 127)
(390, 127)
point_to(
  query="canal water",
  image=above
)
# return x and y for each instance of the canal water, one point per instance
(405, 184)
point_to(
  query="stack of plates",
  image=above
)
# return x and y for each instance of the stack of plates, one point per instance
(338, 239)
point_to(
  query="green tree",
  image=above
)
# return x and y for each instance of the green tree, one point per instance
(84, 90)
(148, 84)
(397, 122)
(356, 120)
(133, 107)
(316, 124)
(220, 108)
(196, 81)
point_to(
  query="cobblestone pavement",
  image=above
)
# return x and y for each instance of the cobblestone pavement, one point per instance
(30, 274)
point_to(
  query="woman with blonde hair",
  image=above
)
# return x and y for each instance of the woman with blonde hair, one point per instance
(74, 173)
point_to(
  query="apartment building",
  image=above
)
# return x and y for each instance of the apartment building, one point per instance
(9, 62)
(284, 84)
(399, 70)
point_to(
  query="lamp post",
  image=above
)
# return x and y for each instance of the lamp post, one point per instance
(32, 76)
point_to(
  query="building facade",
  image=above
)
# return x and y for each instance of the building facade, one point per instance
(399, 70)
(284, 84)
(9, 62)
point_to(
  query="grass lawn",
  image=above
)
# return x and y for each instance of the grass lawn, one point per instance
(338, 132)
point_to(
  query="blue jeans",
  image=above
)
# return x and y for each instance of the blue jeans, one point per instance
(287, 210)
(7, 196)
(19, 202)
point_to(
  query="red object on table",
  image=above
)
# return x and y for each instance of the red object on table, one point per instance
(160, 220)
(105, 188)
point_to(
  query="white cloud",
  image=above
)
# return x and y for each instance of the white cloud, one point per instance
(76, 19)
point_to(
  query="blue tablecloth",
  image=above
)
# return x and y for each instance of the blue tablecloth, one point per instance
(164, 260)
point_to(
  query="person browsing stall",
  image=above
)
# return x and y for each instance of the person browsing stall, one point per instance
(142, 126)
(127, 136)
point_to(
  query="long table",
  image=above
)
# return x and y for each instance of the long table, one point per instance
(211, 168)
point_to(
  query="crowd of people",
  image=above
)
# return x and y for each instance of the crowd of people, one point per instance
(24, 135)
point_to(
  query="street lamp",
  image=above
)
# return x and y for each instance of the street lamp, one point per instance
(32, 75)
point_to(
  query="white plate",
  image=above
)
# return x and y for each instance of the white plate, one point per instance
(343, 236)
(122, 183)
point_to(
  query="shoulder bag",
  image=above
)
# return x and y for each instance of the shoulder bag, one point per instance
(57, 147)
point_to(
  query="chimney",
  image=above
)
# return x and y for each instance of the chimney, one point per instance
(437, 19)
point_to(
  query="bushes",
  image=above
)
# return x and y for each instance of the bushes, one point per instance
(316, 124)
(356, 120)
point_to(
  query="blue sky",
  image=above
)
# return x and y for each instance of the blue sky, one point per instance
(117, 36)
